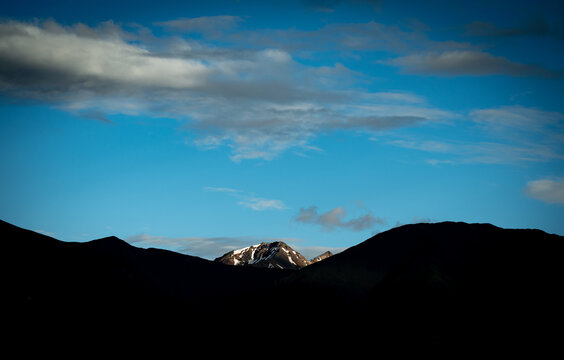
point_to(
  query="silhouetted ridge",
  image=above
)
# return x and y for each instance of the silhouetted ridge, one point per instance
(445, 278)
(432, 282)
(108, 275)
(109, 242)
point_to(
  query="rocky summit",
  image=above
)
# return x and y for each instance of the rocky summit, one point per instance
(276, 255)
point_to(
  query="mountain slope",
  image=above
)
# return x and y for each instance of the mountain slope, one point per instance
(108, 276)
(445, 278)
(269, 255)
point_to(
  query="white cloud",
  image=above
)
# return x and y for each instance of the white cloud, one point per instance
(547, 190)
(103, 61)
(256, 101)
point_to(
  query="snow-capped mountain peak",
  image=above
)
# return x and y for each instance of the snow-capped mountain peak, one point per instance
(268, 255)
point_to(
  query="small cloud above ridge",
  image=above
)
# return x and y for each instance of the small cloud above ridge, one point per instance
(335, 218)
(550, 191)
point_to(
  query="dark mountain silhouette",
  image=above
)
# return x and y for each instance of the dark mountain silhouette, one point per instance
(107, 278)
(449, 280)
(434, 283)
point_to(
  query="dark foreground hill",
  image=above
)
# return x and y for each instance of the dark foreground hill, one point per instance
(436, 283)
(108, 274)
(452, 280)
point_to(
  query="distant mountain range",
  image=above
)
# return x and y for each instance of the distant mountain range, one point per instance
(435, 283)
(270, 255)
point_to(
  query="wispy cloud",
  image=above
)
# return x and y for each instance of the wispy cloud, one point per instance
(539, 133)
(347, 38)
(467, 62)
(331, 5)
(213, 247)
(507, 134)
(205, 247)
(260, 204)
(336, 218)
(207, 25)
(45, 232)
(95, 115)
(550, 191)
(535, 26)
(464, 151)
(249, 201)
(222, 189)
(520, 119)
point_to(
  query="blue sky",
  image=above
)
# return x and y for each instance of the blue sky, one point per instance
(202, 127)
